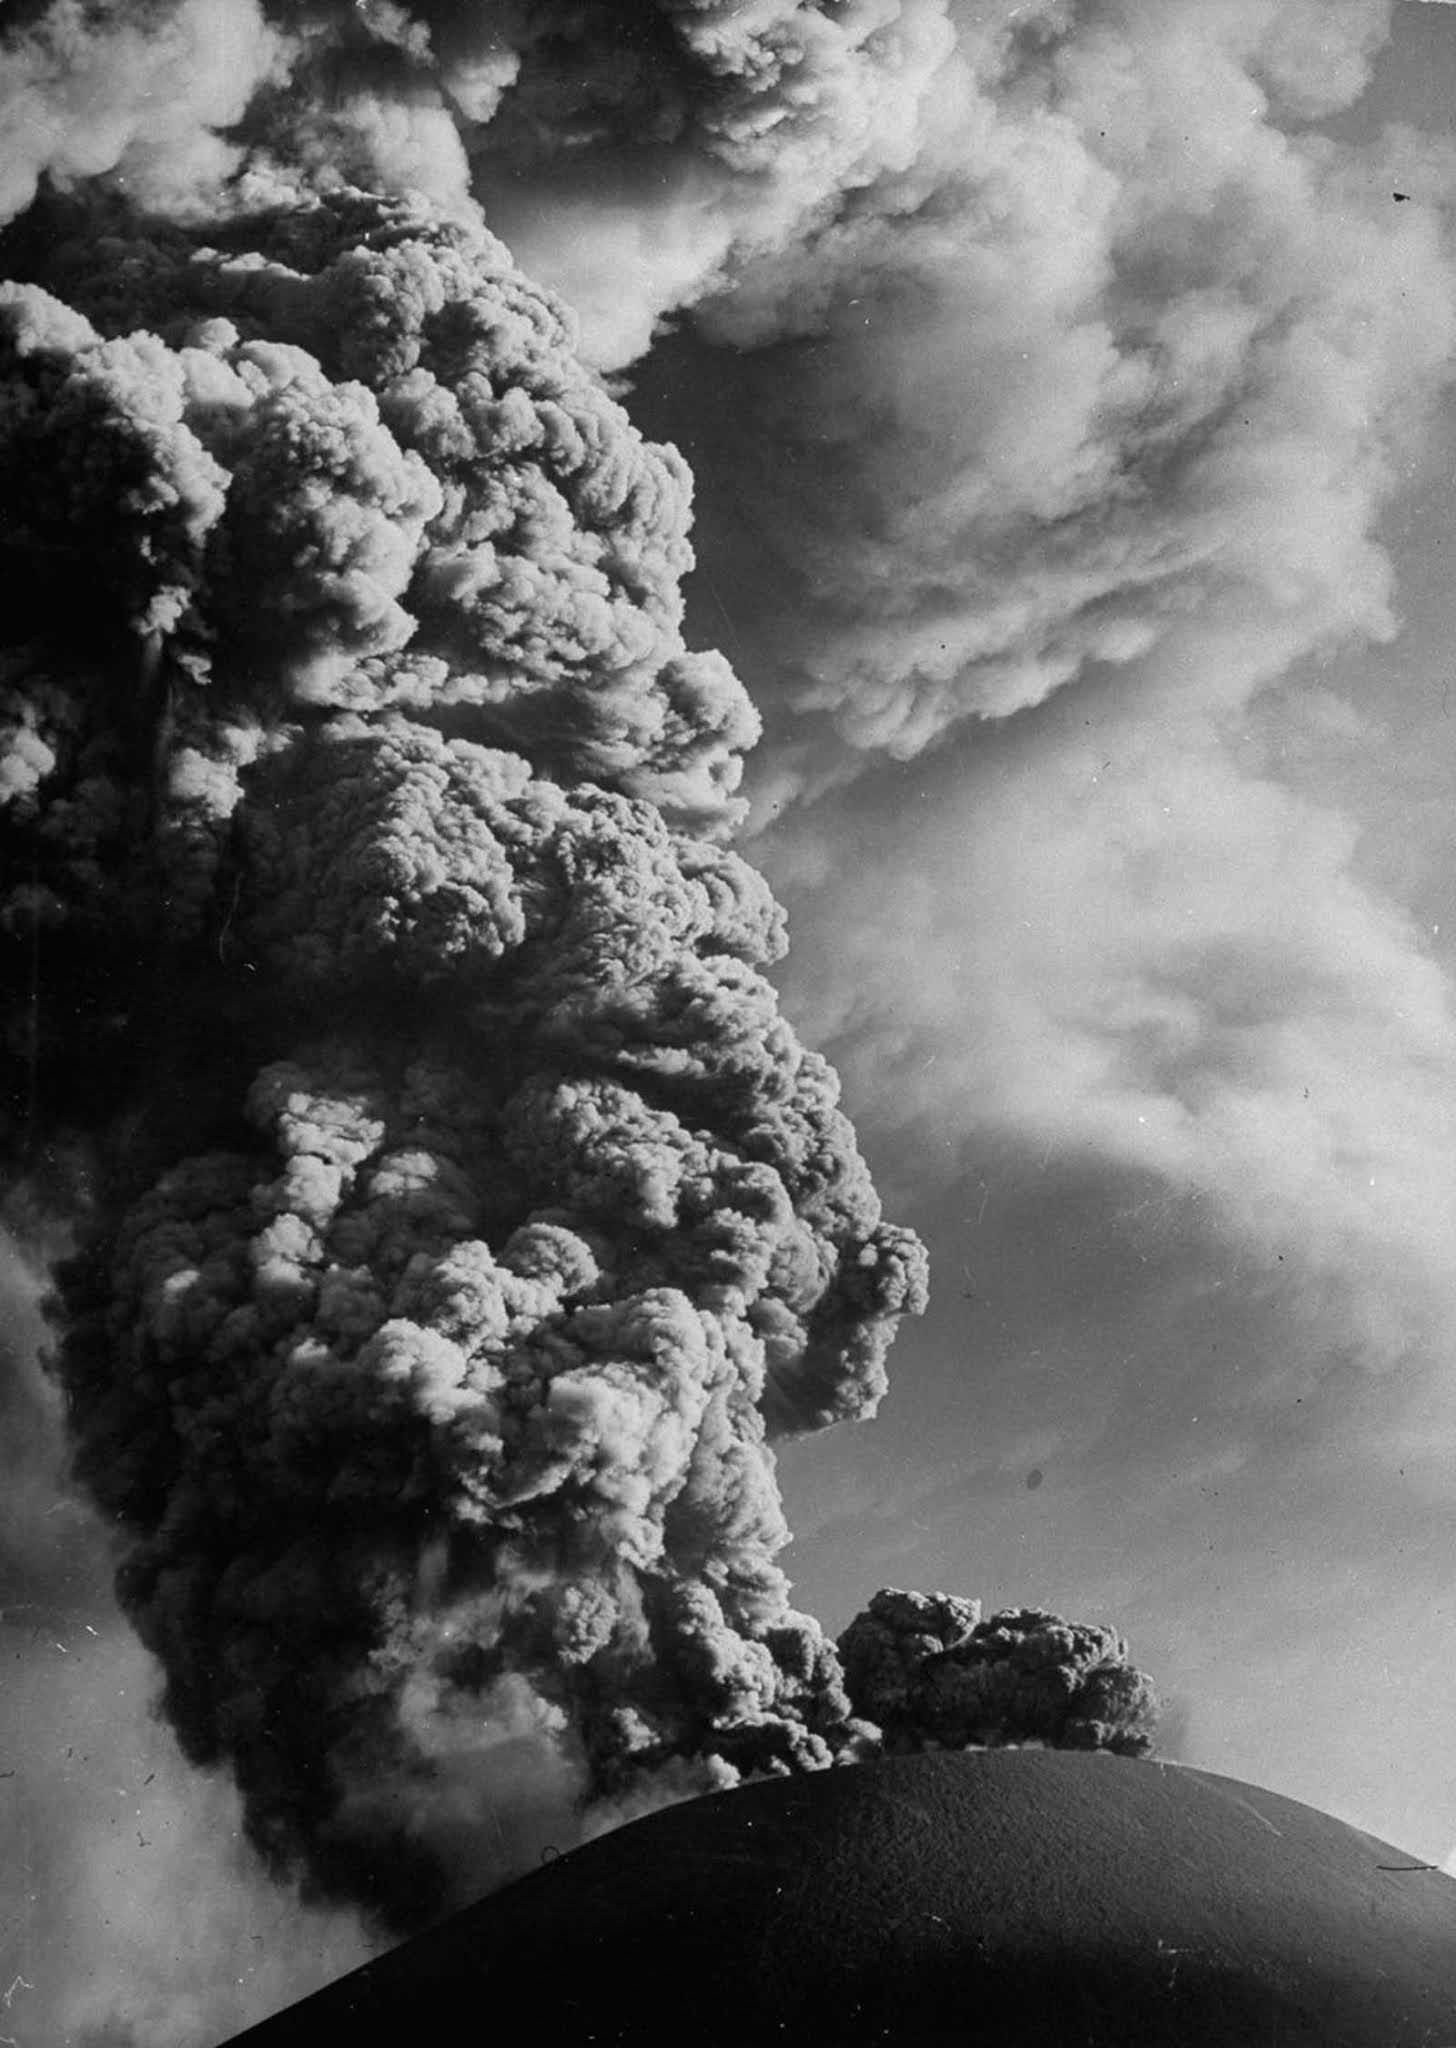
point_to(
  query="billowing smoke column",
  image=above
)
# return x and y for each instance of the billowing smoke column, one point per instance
(464, 1222)
(932, 1674)
(475, 1219)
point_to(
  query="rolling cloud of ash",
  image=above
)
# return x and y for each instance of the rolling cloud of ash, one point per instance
(1031, 352)
(639, 154)
(1036, 332)
(1045, 375)
(928, 1666)
(467, 1219)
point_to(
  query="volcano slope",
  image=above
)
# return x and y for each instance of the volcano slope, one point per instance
(1021, 1898)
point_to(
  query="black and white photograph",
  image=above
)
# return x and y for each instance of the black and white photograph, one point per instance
(728, 1020)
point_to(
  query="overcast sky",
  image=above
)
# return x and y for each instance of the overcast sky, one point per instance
(1076, 505)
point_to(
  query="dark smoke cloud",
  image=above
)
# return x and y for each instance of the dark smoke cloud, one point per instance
(933, 1674)
(459, 1220)
(473, 1219)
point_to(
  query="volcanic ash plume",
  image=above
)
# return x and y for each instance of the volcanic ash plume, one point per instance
(934, 1675)
(638, 156)
(467, 1220)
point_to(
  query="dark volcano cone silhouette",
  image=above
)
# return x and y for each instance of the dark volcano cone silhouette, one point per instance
(1013, 1897)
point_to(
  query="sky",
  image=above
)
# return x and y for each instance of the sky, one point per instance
(1068, 400)
(1142, 996)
